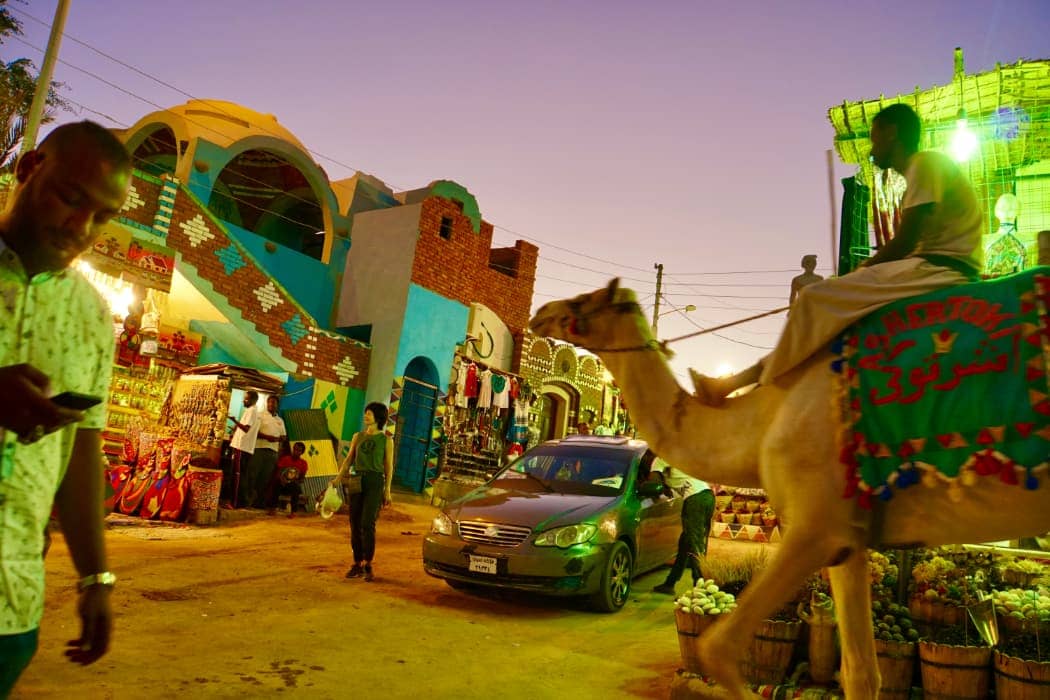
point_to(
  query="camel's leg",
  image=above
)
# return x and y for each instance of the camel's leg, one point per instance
(800, 553)
(851, 589)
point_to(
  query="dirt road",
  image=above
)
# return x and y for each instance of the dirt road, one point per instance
(261, 609)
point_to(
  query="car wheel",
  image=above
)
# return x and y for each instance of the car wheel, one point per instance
(616, 579)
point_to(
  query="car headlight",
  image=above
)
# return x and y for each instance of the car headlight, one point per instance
(566, 536)
(442, 525)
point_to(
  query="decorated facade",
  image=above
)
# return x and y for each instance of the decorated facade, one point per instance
(427, 290)
(570, 387)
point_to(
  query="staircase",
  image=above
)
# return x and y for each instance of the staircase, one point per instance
(163, 211)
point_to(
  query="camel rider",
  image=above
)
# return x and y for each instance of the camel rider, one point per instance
(937, 245)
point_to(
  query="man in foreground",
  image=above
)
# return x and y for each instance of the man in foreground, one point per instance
(55, 335)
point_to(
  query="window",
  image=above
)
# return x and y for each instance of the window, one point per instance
(446, 228)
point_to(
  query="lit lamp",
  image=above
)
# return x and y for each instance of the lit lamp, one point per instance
(963, 143)
(658, 316)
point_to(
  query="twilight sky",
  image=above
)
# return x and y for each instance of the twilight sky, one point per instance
(613, 134)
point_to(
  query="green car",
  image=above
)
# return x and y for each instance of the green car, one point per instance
(569, 517)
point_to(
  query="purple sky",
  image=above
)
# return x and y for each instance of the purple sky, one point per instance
(691, 133)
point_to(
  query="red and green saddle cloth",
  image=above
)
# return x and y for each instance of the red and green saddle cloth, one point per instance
(948, 387)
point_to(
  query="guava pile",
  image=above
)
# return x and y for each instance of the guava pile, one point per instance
(892, 622)
(706, 599)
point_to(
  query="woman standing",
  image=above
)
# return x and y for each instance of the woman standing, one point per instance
(372, 458)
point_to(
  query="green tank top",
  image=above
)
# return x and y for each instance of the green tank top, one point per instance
(371, 450)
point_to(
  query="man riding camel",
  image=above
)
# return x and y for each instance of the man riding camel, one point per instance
(937, 245)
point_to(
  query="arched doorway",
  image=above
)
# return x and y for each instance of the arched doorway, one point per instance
(415, 422)
(557, 406)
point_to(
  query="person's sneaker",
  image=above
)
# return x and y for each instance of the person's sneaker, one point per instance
(355, 571)
(369, 576)
(665, 588)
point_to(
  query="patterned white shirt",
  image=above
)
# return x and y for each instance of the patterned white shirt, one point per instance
(60, 325)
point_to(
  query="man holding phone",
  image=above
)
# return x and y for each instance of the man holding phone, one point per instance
(55, 336)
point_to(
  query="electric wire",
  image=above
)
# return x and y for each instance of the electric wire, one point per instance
(306, 225)
(291, 195)
(683, 314)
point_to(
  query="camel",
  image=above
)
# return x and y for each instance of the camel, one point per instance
(783, 439)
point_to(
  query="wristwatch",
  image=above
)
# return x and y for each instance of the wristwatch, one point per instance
(103, 578)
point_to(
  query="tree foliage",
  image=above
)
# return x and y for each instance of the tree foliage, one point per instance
(18, 80)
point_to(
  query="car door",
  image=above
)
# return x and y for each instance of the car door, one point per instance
(657, 530)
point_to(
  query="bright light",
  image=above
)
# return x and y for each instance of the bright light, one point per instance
(963, 143)
(121, 302)
(118, 294)
(724, 370)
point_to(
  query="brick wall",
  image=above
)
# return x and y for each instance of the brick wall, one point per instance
(460, 267)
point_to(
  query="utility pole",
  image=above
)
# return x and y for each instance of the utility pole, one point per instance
(659, 286)
(43, 80)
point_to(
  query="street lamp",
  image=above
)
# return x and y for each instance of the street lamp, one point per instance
(656, 317)
(686, 309)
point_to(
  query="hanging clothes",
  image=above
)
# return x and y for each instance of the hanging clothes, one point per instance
(519, 432)
(500, 391)
(461, 384)
(470, 389)
(485, 390)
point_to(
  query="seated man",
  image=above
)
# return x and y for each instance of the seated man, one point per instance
(569, 470)
(290, 474)
(938, 245)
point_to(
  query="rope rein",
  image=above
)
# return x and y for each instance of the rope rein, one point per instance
(661, 345)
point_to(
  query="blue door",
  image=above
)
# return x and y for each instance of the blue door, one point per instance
(415, 421)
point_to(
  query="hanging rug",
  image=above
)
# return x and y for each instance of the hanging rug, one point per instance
(948, 387)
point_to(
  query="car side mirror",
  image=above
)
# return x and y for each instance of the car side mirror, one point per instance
(650, 489)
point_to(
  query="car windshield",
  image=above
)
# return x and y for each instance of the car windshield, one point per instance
(573, 468)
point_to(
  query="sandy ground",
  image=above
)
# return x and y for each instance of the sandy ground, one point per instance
(260, 609)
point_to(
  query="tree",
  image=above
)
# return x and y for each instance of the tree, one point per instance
(17, 85)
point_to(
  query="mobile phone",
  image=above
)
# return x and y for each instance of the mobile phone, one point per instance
(75, 401)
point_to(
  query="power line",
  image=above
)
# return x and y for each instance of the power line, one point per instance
(154, 78)
(315, 203)
(683, 314)
(738, 272)
(185, 93)
(219, 108)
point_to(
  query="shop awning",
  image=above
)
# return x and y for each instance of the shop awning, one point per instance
(242, 377)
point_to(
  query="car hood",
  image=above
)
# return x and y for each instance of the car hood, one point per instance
(535, 510)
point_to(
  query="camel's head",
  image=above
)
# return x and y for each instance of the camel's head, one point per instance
(584, 320)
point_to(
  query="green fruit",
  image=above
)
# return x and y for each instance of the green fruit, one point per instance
(912, 634)
(896, 629)
(889, 619)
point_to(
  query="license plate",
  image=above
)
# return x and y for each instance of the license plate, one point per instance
(483, 565)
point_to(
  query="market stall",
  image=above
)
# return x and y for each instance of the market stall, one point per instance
(744, 514)
(487, 414)
(172, 468)
(965, 621)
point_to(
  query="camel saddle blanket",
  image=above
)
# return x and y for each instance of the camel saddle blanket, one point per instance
(948, 387)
